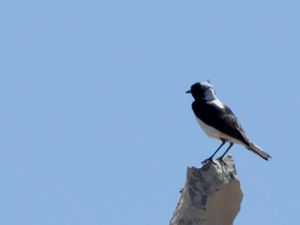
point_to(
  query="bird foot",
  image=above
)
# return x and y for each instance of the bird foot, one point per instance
(222, 162)
(210, 159)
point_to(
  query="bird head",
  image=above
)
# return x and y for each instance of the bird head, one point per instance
(202, 91)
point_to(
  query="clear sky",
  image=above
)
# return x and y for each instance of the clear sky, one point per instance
(96, 127)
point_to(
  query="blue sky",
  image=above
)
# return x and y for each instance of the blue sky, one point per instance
(96, 127)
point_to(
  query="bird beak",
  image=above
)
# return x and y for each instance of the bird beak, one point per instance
(188, 92)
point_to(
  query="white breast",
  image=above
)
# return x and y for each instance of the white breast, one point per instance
(212, 132)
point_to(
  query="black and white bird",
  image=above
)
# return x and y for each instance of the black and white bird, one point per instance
(218, 121)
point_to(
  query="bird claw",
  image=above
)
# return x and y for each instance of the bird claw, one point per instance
(208, 160)
(222, 162)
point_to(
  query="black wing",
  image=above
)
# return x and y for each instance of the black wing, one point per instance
(222, 119)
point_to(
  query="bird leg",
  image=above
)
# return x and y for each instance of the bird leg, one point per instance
(211, 157)
(221, 158)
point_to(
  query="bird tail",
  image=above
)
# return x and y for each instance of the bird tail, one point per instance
(254, 148)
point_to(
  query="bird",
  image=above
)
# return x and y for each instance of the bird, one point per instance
(218, 121)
